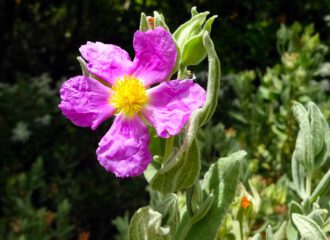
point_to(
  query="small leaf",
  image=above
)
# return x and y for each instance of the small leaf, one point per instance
(193, 11)
(146, 225)
(144, 25)
(203, 209)
(298, 175)
(294, 207)
(237, 230)
(304, 150)
(160, 21)
(307, 228)
(256, 197)
(280, 234)
(168, 207)
(318, 215)
(313, 140)
(316, 127)
(195, 195)
(269, 233)
(321, 134)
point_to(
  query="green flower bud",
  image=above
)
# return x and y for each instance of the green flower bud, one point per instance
(194, 51)
(189, 38)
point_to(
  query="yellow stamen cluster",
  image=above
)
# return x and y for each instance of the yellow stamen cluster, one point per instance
(129, 96)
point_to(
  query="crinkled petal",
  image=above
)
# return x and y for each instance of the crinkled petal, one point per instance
(124, 149)
(171, 104)
(106, 61)
(85, 101)
(155, 55)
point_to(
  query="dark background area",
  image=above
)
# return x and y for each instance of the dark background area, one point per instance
(40, 41)
(44, 36)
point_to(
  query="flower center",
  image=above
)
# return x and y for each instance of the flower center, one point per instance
(129, 96)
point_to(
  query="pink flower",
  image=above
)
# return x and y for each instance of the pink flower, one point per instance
(125, 88)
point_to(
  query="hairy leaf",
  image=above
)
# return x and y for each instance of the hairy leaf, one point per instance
(307, 228)
(146, 225)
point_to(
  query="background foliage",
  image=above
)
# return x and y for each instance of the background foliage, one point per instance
(52, 184)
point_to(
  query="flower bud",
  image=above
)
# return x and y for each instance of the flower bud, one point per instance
(189, 38)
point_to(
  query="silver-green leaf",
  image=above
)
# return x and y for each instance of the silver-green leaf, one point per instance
(146, 225)
(307, 228)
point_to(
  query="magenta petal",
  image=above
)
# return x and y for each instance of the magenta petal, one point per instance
(171, 104)
(106, 61)
(85, 101)
(155, 55)
(124, 149)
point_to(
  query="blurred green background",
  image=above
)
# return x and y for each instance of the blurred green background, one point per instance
(52, 184)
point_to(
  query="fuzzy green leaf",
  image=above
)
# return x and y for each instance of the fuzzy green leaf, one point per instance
(280, 234)
(318, 215)
(294, 207)
(180, 173)
(304, 150)
(269, 233)
(321, 134)
(193, 11)
(160, 21)
(307, 228)
(168, 207)
(146, 225)
(298, 176)
(313, 140)
(144, 25)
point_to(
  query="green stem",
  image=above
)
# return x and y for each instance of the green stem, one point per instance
(168, 147)
(181, 72)
(309, 183)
